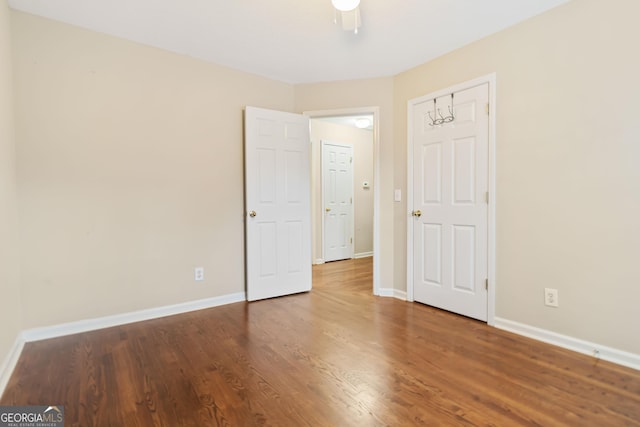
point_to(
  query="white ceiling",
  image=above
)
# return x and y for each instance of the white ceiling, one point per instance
(296, 41)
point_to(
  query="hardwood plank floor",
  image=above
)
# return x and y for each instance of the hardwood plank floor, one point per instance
(336, 356)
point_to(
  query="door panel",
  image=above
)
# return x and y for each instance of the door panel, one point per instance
(463, 257)
(295, 230)
(268, 245)
(432, 173)
(450, 181)
(464, 171)
(278, 203)
(432, 253)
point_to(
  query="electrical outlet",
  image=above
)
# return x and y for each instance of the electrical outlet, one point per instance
(551, 297)
(198, 274)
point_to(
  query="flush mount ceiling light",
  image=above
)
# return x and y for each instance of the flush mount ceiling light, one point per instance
(345, 5)
(349, 14)
(363, 123)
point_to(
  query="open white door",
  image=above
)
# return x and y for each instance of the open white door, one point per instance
(337, 198)
(450, 205)
(278, 203)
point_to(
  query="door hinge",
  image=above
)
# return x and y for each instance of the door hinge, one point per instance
(487, 108)
(486, 197)
(351, 200)
(350, 159)
(486, 284)
(351, 240)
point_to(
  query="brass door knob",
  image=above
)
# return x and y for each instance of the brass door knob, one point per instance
(417, 213)
(327, 209)
(252, 214)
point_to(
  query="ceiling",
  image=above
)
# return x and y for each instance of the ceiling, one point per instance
(296, 41)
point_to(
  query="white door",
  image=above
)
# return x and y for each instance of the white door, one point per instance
(450, 212)
(278, 203)
(337, 197)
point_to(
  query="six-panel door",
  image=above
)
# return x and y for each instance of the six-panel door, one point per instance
(278, 203)
(450, 164)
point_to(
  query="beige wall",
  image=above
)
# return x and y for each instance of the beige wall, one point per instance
(129, 172)
(362, 142)
(10, 308)
(356, 94)
(568, 174)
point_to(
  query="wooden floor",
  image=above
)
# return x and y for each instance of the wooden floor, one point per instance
(336, 356)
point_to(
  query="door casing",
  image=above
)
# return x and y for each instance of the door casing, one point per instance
(491, 258)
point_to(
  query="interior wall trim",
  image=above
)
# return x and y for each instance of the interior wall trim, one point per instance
(393, 293)
(597, 351)
(363, 255)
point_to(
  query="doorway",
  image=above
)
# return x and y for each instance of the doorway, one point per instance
(363, 185)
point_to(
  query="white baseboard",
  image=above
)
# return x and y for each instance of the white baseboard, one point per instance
(10, 362)
(363, 255)
(319, 261)
(609, 354)
(124, 318)
(385, 292)
(392, 293)
(402, 295)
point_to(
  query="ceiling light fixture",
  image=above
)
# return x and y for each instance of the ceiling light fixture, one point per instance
(349, 13)
(363, 123)
(345, 5)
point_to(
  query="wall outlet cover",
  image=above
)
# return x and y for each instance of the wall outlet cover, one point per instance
(551, 297)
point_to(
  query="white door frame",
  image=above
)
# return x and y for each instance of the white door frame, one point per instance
(322, 177)
(375, 111)
(491, 226)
